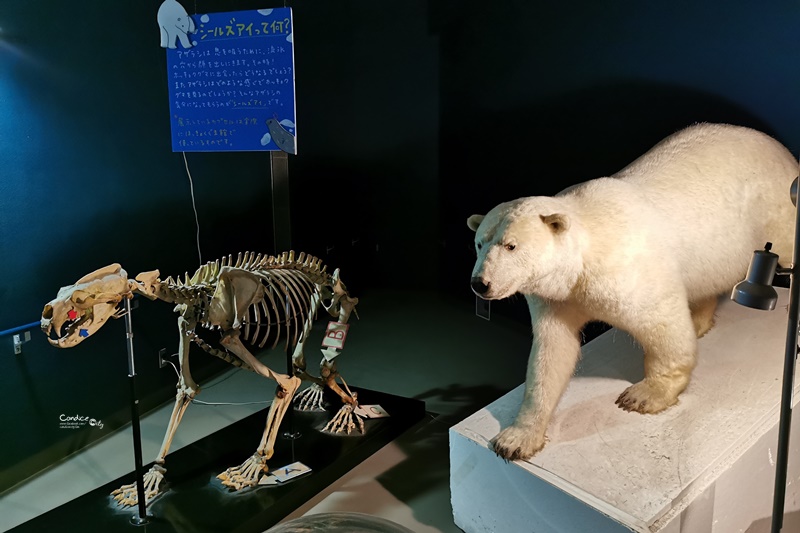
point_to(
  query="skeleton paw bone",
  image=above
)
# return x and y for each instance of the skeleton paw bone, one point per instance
(245, 475)
(128, 496)
(345, 419)
(310, 399)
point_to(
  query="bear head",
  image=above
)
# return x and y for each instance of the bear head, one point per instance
(525, 246)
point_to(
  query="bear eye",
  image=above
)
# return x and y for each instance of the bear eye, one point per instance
(510, 247)
(479, 246)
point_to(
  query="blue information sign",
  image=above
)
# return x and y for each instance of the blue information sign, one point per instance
(233, 90)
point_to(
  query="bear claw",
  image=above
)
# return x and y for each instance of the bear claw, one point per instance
(517, 443)
(629, 404)
(644, 398)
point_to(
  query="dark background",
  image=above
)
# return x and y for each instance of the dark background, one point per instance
(411, 116)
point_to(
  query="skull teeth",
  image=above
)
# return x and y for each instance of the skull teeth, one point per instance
(68, 327)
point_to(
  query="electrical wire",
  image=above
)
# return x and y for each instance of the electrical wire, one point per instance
(226, 403)
(200, 402)
(194, 206)
(229, 375)
(176, 369)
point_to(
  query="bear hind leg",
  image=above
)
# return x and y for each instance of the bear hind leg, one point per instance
(670, 355)
(703, 315)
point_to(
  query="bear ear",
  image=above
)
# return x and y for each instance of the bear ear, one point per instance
(474, 221)
(557, 222)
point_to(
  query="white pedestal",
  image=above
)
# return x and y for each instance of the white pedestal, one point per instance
(705, 465)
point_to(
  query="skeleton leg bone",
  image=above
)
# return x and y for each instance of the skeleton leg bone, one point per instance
(127, 495)
(232, 343)
(309, 399)
(341, 307)
(346, 419)
(248, 473)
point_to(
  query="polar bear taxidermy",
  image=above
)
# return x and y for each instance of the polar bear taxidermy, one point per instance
(648, 250)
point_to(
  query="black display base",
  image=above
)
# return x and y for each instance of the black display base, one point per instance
(196, 501)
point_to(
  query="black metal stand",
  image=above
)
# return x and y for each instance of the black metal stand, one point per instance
(281, 216)
(282, 232)
(787, 392)
(142, 518)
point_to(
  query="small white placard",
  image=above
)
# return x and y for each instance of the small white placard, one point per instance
(335, 335)
(284, 474)
(371, 411)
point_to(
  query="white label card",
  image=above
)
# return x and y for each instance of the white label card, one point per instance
(284, 474)
(371, 411)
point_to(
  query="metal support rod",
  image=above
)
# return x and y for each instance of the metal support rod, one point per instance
(24, 327)
(281, 219)
(137, 432)
(787, 391)
(282, 232)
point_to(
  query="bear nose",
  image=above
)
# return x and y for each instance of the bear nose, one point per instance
(479, 287)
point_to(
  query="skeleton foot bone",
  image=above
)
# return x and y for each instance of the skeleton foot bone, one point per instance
(345, 419)
(245, 475)
(127, 495)
(310, 399)
(248, 473)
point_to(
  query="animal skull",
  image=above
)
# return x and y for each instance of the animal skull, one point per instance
(81, 309)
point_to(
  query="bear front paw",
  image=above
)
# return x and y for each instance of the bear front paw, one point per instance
(646, 398)
(517, 443)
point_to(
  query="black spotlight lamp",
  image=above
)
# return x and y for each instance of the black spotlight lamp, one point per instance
(756, 291)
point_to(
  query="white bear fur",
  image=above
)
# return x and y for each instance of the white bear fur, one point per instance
(648, 250)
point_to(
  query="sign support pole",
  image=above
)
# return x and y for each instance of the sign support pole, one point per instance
(282, 235)
(281, 217)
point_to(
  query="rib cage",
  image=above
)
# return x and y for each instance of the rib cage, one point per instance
(284, 310)
(291, 294)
